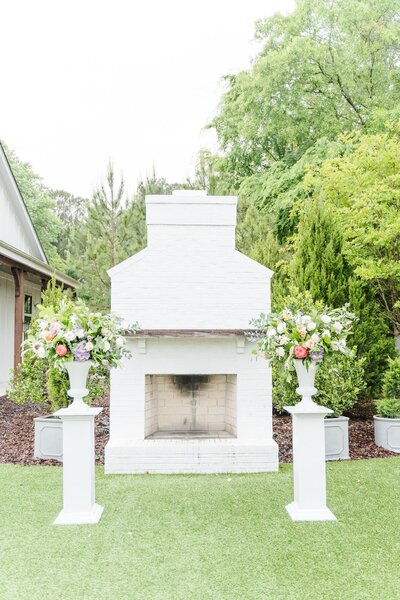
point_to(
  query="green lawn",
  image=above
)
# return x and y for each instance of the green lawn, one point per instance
(205, 537)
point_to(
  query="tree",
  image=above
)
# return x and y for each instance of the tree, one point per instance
(320, 267)
(40, 205)
(328, 67)
(71, 210)
(363, 188)
(110, 234)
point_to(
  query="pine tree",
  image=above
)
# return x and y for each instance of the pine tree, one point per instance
(111, 233)
(320, 267)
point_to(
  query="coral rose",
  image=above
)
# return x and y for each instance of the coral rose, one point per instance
(61, 350)
(300, 352)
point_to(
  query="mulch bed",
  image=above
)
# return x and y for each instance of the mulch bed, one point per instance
(361, 439)
(17, 435)
(17, 432)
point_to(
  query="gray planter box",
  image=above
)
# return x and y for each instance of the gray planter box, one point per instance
(337, 438)
(387, 433)
(48, 438)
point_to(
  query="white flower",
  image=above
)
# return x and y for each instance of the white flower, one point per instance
(106, 345)
(326, 332)
(41, 352)
(281, 327)
(315, 338)
(280, 352)
(326, 319)
(105, 332)
(284, 340)
(271, 331)
(302, 331)
(286, 314)
(69, 336)
(310, 325)
(337, 327)
(305, 319)
(80, 333)
(119, 342)
(89, 346)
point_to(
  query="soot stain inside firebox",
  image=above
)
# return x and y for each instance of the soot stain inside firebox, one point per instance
(190, 384)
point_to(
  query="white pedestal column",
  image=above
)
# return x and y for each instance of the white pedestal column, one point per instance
(309, 464)
(79, 505)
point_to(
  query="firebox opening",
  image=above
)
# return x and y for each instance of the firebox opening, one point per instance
(190, 406)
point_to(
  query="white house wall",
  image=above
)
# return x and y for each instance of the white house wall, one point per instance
(15, 227)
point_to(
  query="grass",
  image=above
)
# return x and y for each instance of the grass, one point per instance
(204, 537)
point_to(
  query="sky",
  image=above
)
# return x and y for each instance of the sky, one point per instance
(86, 81)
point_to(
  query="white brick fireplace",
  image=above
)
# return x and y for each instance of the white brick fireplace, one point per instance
(193, 398)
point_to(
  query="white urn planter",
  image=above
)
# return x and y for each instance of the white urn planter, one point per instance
(48, 438)
(78, 373)
(387, 433)
(337, 438)
(306, 378)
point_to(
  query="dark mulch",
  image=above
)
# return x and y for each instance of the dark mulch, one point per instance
(361, 439)
(17, 433)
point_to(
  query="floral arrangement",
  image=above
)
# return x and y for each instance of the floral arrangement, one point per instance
(288, 335)
(72, 332)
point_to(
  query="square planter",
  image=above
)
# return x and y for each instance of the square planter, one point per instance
(387, 433)
(48, 438)
(337, 438)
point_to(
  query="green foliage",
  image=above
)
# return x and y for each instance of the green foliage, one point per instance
(320, 267)
(72, 211)
(363, 188)
(325, 68)
(391, 379)
(318, 264)
(388, 408)
(28, 381)
(111, 233)
(339, 380)
(57, 388)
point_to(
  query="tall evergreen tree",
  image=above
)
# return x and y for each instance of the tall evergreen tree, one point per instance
(110, 234)
(320, 267)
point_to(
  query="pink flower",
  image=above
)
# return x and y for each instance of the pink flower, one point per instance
(61, 350)
(300, 352)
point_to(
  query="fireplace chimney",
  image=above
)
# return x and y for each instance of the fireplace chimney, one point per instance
(190, 218)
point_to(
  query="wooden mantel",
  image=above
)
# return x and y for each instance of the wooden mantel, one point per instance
(185, 333)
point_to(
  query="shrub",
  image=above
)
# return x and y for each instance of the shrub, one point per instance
(34, 381)
(388, 407)
(339, 380)
(391, 379)
(28, 381)
(57, 387)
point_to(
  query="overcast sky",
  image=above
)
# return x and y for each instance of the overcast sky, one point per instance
(135, 81)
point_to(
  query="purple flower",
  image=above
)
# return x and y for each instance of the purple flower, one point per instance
(317, 355)
(80, 353)
(89, 338)
(104, 362)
